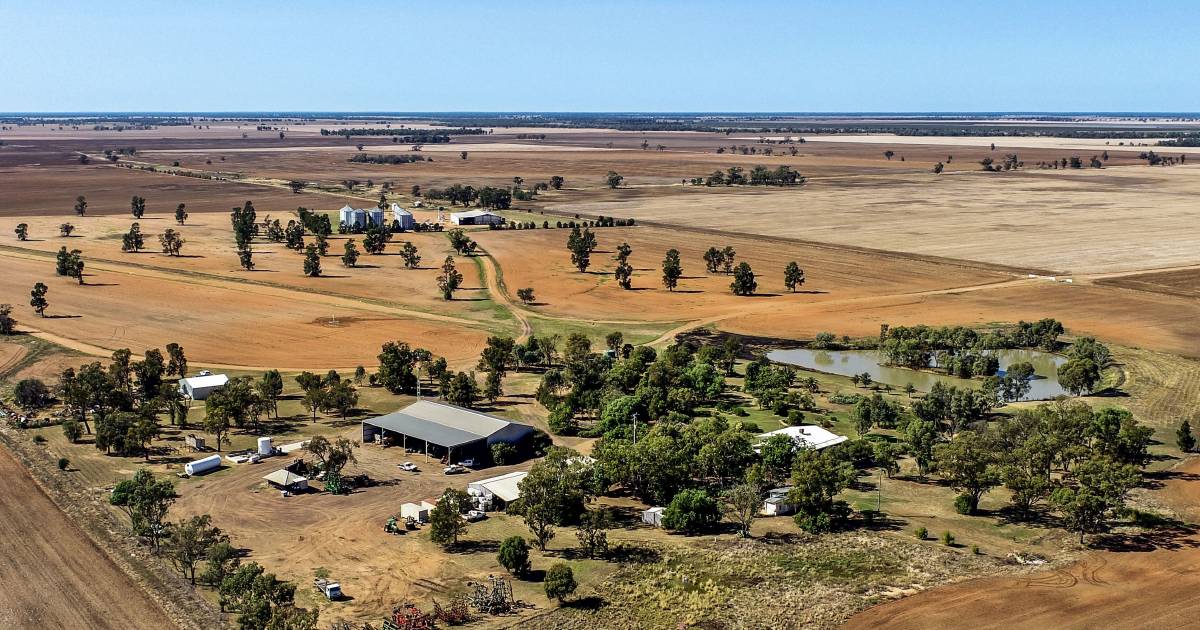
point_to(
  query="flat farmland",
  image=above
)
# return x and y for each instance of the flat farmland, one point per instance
(833, 273)
(1086, 221)
(54, 576)
(51, 191)
(224, 323)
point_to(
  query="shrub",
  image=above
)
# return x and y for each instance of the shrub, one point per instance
(948, 539)
(560, 581)
(514, 555)
(72, 430)
(63, 462)
(795, 417)
(780, 409)
(37, 439)
(963, 504)
(691, 511)
(503, 453)
(921, 533)
(975, 550)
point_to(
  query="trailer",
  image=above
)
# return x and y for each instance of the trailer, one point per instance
(194, 442)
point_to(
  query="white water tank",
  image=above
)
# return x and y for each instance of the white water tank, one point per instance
(202, 465)
(264, 446)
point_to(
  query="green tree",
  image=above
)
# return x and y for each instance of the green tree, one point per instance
(449, 280)
(691, 511)
(412, 259)
(968, 462)
(181, 214)
(270, 388)
(22, 231)
(38, 298)
(593, 533)
(171, 242)
(145, 500)
(525, 295)
(312, 261)
(81, 205)
(742, 503)
(446, 523)
(613, 179)
(672, 270)
(743, 280)
(462, 390)
(553, 493)
(514, 555)
(1100, 490)
(350, 254)
(177, 364)
(137, 206)
(189, 541)
(246, 259)
(133, 241)
(817, 478)
(579, 246)
(1079, 375)
(1184, 437)
(559, 582)
(793, 276)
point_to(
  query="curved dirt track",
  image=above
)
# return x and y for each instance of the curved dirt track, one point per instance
(1152, 585)
(51, 574)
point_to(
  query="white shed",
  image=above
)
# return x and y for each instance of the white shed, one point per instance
(653, 516)
(475, 217)
(417, 511)
(776, 503)
(498, 491)
(203, 465)
(199, 387)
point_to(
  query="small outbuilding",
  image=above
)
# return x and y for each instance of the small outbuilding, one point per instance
(403, 218)
(285, 479)
(475, 217)
(653, 516)
(807, 436)
(199, 387)
(776, 503)
(497, 492)
(417, 511)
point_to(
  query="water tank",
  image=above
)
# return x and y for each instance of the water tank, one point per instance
(264, 446)
(202, 465)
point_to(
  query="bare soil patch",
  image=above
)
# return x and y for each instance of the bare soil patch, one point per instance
(54, 576)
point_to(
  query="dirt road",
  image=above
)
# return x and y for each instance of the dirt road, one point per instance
(52, 575)
(1148, 584)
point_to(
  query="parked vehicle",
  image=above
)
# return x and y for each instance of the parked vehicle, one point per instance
(474, 515)
(467, 463)
(408, 467)
(454, 469)
(330, 589)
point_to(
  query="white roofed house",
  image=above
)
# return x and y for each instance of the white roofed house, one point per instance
(807, 436)
(475, 217)
(199, 387)
(403, 218)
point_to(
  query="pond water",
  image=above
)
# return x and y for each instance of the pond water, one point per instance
(1044, 385)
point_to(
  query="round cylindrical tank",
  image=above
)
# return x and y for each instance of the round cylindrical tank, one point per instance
(202, 465)
(264, 446)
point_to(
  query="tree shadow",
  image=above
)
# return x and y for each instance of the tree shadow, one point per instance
(590, 603)
(474, 546)
(62, 316)
(687, 291)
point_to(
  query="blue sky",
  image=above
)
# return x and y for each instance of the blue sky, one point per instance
(219, 55)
